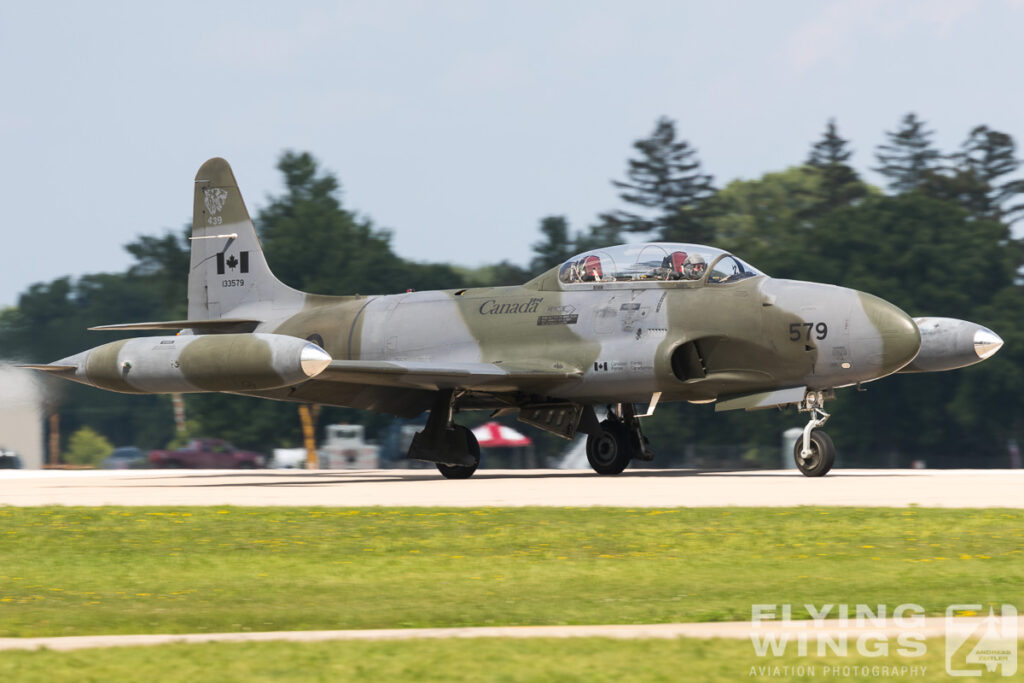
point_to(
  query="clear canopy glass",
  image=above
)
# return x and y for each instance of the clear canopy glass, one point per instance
(654, 261)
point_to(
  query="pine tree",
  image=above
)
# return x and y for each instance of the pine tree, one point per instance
(667, 181)
(556, 246)
(909, 158)
(840, 184)
(987, 156)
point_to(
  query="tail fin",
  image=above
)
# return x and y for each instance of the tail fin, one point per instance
(228, 275)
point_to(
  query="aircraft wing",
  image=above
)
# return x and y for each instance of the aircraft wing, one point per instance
(215, 325)
(433, 376)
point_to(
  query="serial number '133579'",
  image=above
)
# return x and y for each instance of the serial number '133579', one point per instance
(232, 283)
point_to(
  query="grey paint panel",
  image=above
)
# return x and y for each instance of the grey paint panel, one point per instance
(764, 399)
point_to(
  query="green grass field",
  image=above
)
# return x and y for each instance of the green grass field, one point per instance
(73, 571)
(575, 659)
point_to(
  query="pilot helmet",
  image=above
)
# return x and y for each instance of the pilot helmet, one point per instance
(694, 266)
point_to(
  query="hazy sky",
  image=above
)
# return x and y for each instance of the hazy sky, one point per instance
(457, 125)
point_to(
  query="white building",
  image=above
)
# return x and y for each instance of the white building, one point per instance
(21, 415)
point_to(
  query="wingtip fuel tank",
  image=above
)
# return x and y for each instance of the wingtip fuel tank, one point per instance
(187, 363)
(948, 344)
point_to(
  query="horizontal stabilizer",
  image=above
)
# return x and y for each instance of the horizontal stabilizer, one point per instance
(50, 367)
(219, 324)
(428, 375)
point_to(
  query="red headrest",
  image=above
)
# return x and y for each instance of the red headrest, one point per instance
(678, 257)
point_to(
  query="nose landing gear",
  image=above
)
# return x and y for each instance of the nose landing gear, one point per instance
(814, 452)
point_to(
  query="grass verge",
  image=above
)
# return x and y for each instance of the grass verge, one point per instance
(575, 659)
(75, 571)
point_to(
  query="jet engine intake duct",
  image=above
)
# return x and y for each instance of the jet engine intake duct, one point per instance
(187, 363)
(688, 361)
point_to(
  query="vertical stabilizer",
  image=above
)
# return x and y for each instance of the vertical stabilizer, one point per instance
(228, 275)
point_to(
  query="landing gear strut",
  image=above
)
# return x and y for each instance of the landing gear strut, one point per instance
(452, 447)
(814, 452)
(619, 440)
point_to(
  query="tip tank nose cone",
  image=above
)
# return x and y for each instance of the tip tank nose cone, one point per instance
(986, 343)
(313, 360)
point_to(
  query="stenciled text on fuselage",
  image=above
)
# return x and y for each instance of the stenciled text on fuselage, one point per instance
(492, 307)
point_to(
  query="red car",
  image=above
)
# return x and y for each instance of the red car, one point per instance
(207, 454)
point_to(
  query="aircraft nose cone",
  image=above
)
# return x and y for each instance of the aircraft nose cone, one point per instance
(986, 343)
(900, 337)
(313, 359)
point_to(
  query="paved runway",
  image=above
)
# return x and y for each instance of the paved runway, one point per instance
(633, 488)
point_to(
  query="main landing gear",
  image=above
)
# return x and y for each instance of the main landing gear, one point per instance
(814, 452)
(467, 445)
(618, 441)
(453, 448)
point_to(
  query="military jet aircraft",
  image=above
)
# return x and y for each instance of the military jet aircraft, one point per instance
(629, 325)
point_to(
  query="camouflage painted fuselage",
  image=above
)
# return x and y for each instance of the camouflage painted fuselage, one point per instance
(689, 341)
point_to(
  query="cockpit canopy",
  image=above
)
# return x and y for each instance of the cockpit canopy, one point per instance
(654, 261)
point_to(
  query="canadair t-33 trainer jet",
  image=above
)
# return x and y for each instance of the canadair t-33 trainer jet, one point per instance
(623, 327)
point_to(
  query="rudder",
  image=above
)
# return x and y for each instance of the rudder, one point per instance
(228, 274)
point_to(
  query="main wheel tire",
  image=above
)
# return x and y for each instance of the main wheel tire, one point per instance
(608, 451)
(823, 454)
(463, 471)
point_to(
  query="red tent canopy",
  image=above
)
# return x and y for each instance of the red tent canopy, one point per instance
(495, 435)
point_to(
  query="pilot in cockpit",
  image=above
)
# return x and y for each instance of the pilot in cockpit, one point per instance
(671, 267)
(694, 267)
(592, 271)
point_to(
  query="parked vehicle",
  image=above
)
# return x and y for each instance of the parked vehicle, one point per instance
(207, 454)
(126, 458)
(288, 459)
(345, 449)
(9, 460)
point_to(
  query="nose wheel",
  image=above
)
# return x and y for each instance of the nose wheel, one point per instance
(822, 454)
(814, 452)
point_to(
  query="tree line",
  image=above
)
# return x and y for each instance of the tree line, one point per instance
(936, 240)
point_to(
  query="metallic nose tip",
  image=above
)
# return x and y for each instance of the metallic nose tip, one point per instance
(313, 360)
(986, 343)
